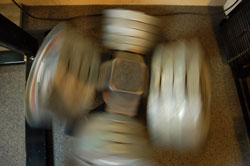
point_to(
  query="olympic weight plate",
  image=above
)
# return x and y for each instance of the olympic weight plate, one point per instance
(131, 15)
(130, 31)
(112, 140)
(179, 99)
(127, 40)
(63, 76)
(40, 81)
(131, 24)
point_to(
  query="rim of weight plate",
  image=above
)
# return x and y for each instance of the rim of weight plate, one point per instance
(39, 79)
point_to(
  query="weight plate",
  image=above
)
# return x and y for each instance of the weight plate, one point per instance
(131, 24)
(39, 81)
(131, 15)
(179, 98)
(62, 78)
(128, 40)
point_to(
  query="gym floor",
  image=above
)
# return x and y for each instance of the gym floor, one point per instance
(227, 144)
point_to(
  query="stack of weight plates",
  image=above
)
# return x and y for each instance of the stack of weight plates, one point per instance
(131, 31)
(62, 78)
(179, 97)
(112, 140)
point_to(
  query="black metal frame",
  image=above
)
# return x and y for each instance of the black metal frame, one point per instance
(9, 57)
(235, 39)
(39, 142)
(240, 79)
(16, 39)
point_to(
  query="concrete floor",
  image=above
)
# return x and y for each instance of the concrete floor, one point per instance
(227, 145)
